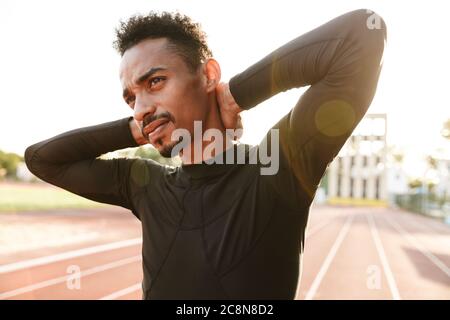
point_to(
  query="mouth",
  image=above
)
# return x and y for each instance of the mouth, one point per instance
(154, 128)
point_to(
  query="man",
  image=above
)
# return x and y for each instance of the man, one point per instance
(212, 230)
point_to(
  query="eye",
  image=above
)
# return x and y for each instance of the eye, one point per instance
(130, 101)
(155, 81)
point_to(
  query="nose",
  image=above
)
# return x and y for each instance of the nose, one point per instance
(142, 108)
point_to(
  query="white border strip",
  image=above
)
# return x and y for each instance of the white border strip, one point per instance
(384, 261)
(123, 292)
(16, 266)
(309, 234)
(326, 264)
(62, 279)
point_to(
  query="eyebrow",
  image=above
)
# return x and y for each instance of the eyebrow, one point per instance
(144, 77)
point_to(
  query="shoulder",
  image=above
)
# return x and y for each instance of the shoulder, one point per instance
(143, 172)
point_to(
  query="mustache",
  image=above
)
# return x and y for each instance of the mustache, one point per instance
(150, 118)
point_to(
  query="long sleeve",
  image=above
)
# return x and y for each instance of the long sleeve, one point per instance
(69, 160)
(341, 62)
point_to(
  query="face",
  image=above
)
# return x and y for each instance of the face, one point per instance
(162, 91)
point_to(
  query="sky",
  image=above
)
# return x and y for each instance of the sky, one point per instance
(58, 70)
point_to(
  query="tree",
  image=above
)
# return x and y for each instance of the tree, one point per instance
(446, 129)
(8, 164)
(396, 154)
(432, 162)
(415, 183)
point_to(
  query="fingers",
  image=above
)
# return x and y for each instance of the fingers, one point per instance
(239, 128)
(220, 95)
(224, 94)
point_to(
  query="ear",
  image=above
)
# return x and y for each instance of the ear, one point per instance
(211, 74)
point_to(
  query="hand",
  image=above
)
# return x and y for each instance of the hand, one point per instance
(137, 133)
(229, 109)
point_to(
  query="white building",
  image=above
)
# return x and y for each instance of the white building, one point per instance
(358, 174)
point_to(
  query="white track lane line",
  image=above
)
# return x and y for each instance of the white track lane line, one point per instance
(58, 280)
(412, 240)
(326, 264)
(384, 261)
(123, 292)
(309, 234)
(16, 266)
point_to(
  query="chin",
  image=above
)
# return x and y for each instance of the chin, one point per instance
(165, 148)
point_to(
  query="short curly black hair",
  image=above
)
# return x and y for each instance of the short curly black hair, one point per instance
(186, 38)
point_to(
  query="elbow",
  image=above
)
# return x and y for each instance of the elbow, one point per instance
(29, 156)
(32, 160)
(40, 162)
(369, 20)
(372, 30)
(35, 164)
(367, 36)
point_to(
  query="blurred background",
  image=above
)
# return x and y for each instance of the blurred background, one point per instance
(380, 223)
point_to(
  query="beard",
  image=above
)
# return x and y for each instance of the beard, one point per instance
(166, 149)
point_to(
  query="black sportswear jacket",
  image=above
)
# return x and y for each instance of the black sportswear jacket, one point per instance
(225, 231)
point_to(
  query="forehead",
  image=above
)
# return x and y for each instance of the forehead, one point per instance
(145, 55)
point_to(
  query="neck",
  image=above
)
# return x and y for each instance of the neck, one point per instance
(209, 139)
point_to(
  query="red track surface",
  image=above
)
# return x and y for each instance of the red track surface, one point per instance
(350, 253)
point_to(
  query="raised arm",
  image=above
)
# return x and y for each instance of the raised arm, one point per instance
(341, 61)
(69, 161)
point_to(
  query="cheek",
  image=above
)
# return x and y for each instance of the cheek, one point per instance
(186, 108)
(187, 103)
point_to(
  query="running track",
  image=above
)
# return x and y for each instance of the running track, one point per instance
(350, 253)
